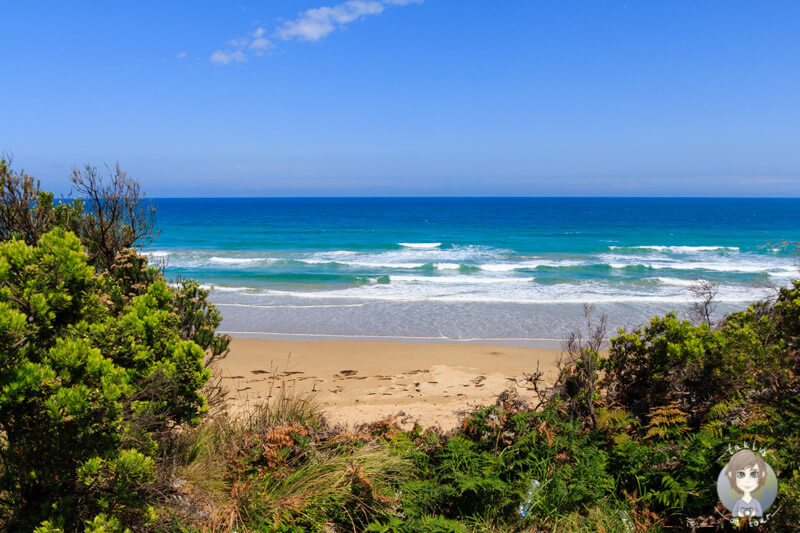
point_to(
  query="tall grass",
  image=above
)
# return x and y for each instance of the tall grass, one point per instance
(277, 466)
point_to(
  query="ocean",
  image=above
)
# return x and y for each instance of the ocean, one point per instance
(497, 270)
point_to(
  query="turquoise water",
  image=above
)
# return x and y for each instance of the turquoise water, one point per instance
(509, 269)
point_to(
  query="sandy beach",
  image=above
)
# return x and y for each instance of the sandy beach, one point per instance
(362, 381)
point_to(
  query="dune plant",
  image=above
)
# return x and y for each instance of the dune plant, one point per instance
(98, 364)
(279, 467)
(108, 212)
(84, 391)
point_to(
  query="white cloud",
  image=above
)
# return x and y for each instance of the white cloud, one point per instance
(241, 42)
(258, 43)
(223, 57)
(314, 24)
(310, 25)
(181, 55)
(254, 42)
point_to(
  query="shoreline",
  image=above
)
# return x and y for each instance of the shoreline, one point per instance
(357, 381)
(518, 342)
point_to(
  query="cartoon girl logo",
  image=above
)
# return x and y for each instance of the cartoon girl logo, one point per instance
(747, 485)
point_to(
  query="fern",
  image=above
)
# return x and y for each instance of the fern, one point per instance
(675, 493)
(666, 421)
(613, 419)
(720, 409)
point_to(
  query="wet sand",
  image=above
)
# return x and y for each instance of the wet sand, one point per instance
(364, 381)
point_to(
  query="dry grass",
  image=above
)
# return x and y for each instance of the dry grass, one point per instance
(275, 460)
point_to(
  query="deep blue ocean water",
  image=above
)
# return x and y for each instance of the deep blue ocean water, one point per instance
(509, 269)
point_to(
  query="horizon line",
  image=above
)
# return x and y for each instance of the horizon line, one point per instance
(472, 197)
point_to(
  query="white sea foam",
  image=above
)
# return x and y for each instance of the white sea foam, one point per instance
(420, 245)
(375, 264)
(157, 253)
(488, 260)
(257, 306)
(464, 280)
(487, 289)
(746, 269)
(336, 256)
(717, 267)
(458, 274)
(363, 264)
(239, 260)
(232, 289)
(590, 299)
(787, 272)
(500, 267)
(528, 265)
(679, 249)
(204, 259)
(529, 293)
(222, 288)
(744, 263)
(407, 258)
(678, 282)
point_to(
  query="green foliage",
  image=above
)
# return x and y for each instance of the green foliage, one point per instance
(87, 385)
(652, 366)
(117, 486)
(479, 475)
(199, 319)
(787, 315)
(789, 516)
(671, 360)
(431, 524)
(692, 390)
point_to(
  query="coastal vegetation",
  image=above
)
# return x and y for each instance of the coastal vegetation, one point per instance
(110, 419)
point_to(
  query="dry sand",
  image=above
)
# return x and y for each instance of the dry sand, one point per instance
(364, 381)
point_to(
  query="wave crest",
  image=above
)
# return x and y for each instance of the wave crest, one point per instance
(420, 245)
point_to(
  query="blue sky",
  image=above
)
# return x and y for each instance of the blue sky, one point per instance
(380, 97)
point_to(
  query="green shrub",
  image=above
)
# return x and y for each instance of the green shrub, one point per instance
(86, 386)
(430, 524)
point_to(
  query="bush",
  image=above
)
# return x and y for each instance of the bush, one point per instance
(98, 359)
(86, 385)
(674, 361)
(110, 215)
(677, 394)
(26, 212)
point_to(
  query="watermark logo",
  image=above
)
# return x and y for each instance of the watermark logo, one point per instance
(747, 485)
